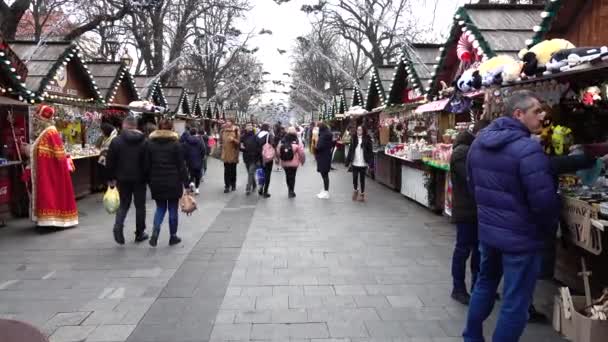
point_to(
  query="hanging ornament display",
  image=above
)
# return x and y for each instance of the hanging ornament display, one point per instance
(590, 96)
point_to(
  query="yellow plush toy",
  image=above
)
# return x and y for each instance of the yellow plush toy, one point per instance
(536, 58)
(499, 69)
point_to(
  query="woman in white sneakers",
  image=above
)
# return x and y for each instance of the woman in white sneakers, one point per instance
(360, 156)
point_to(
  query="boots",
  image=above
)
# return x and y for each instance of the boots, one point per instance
(355, 195)
(362, 197)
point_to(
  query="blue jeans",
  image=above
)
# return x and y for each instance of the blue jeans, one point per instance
(159, 216)
(521, 271)
(467, 244)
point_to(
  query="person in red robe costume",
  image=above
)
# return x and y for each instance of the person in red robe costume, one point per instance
(53, 200)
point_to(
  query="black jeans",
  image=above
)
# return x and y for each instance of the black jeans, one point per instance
(359, 173)
(267, 173)
(290, 177)
(230, 175)
(132, 191)
(467, 244)
(195, 177)
(325, 176)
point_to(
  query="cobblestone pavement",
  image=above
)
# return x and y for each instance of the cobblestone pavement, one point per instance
(249, 270)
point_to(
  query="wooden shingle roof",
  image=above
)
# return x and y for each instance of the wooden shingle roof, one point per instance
(151, 92)
(45, 61)
(109, 76)
(13, 74)
(495, 29)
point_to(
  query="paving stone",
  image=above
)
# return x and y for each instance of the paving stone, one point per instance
(410, 301)
(231, 332)
(350, 290)
(319, 291)
(253, 317)
(385, 329)
(424, 329)
(371, 301)
(272, 303)
(288, 290)
(270, 332)
(110, 333)
(347, 329)
(71, 333)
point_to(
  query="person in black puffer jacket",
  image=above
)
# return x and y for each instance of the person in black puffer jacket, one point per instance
(464, 214)
(167, 177)
(252, 156)
(124, 163)
(194, 152)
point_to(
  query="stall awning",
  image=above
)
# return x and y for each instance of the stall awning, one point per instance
(7, 101)
(439, 105)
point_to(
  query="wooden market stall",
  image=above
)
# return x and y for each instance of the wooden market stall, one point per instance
(14, 130)
(58, 77)
(178, 107)
(150, 90)
(117, 87)
(582, 110)
(386, 169)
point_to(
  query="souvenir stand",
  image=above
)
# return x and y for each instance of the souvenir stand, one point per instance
(583, 111)
(386, 169)
(14, 111)
(155, 103)
(117, 86)
(59, 78)
(178, 107)
(479, 32)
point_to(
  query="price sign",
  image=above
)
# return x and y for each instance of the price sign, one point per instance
(576, 220)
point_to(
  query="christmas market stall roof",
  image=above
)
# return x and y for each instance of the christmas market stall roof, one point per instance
(110, 76)
(176, 97)
(53, 65)
(347, 95)
(411, 73)
(150, 90)
(13, 74)
(380, 82)
(484, 31)
(195, 105)
(578, 21)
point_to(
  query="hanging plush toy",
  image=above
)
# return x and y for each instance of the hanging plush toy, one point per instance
(561, 139)
(499, 69)
(468, 81)
(576, 56)
(546, 135)
(591, 95)
(537, 57)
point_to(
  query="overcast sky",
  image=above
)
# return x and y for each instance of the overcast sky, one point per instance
(287, 22)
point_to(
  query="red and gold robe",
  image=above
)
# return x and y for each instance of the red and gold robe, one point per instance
(53, 200)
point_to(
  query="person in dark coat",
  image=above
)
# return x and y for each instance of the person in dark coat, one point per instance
(252, 156)
(263, 137)
(125, 165)
(194, 153)
(360, 157)
(205, 139)
(167, 177)
(512, 182)
(323, 156)
(464, 214)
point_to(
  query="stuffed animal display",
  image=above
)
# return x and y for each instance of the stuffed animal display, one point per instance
(576, 56)
(537, 57)
(494, 71)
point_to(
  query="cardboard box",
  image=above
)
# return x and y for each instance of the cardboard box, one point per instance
(564, 326)
(586, 329)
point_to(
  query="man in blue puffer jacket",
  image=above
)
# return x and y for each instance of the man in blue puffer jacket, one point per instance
(516, 197)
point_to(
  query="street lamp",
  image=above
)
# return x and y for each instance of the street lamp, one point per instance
(127, 60)
(113, 46)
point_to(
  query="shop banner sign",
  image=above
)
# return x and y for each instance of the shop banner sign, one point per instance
(576, 220)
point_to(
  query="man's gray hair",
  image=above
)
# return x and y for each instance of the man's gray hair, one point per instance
(130, 121)
(520, 99)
